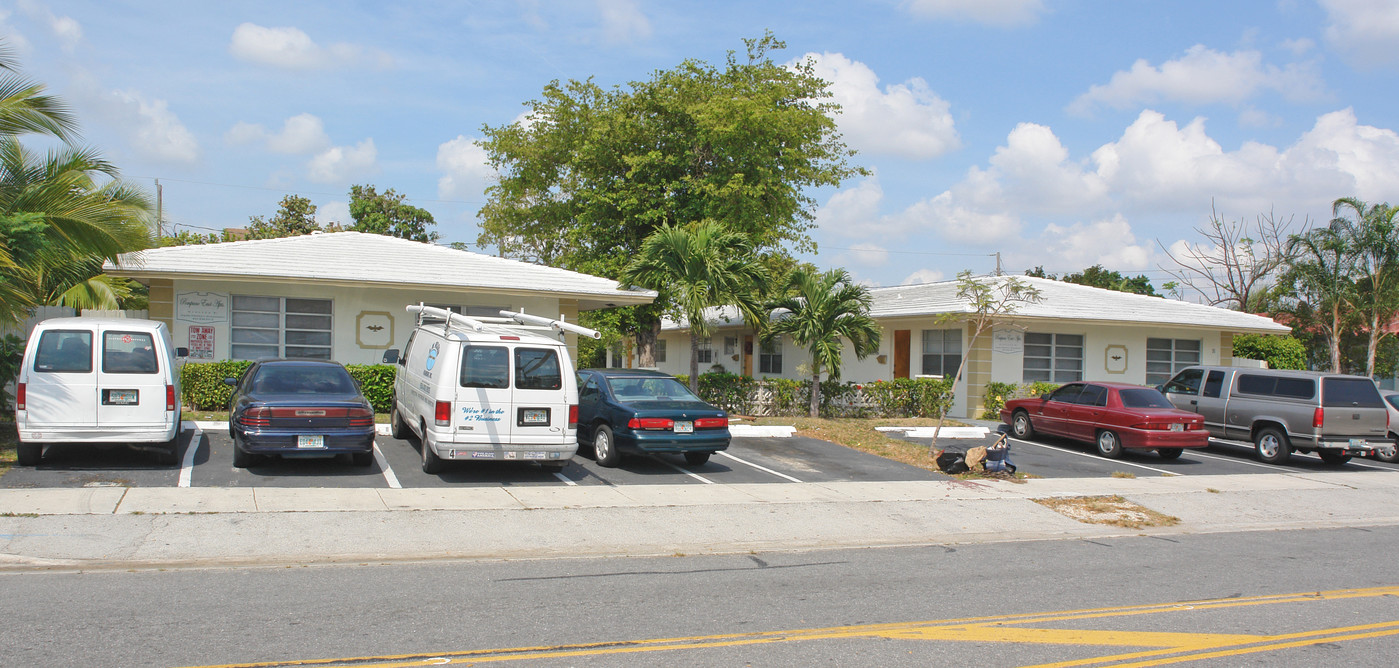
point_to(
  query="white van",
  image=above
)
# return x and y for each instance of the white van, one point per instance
(91, 380)
(492, 388)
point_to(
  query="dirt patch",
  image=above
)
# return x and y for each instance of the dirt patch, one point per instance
(1111, 510)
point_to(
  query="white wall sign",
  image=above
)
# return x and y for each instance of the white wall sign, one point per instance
(1008, 341)
(201, 307)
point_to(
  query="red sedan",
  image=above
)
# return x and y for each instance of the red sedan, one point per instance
(1112, 415)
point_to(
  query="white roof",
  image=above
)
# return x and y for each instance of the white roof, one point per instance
(1059, 301)
(362, 259)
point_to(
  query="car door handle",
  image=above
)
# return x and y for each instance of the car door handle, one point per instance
(1194, 402)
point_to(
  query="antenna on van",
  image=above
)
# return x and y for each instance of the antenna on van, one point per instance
(557, 325)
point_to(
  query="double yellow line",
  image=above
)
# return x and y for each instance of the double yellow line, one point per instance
(1170, 647)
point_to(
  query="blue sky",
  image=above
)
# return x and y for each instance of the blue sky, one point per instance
(1061, 133)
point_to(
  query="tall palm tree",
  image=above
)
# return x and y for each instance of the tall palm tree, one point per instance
(819, 310)
(1373, 233)
(698, 267)
(24, 109)
(1320, 277)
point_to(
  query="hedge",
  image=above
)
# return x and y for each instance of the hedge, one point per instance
(904, 397)
(202, 387)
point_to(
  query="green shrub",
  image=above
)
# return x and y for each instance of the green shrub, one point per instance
(1037, 388)
(202, 387)
(1280, 352)
(995, 399)
(376, 381)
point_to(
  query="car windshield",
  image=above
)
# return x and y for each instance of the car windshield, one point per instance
(650, 389)
(1144, 398)
(302, 379)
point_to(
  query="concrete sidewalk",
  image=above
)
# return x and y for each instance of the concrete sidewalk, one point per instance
(113, 527)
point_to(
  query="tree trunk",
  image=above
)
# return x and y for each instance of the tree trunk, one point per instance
(1373, 345)
(1335, 339)
(815, 389)
(694, 362)
(646, 345)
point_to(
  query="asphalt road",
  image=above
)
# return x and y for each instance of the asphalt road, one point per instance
(1290, 598)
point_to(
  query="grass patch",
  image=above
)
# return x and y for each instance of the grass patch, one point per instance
(9, 438)
(222, 416)
(1110, 510)
(1124, 474)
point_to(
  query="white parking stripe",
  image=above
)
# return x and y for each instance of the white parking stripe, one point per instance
(760, 468)
(1084, 454)
(1260, 465)
(685, 471)
(565, 479)
(384, 464)
(187, 465)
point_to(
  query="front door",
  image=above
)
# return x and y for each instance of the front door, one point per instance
(901, 339)
(748, 355)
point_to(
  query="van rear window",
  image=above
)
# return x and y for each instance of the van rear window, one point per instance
(1350, 392)
(64, 351)
(1275, 386)
(537, 369)
(128, 352)
(485, 366)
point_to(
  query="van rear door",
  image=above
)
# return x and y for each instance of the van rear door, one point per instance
(541, 398)
(131, 388)
(481, 411)
(61, 384)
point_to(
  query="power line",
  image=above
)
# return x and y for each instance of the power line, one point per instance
(284, 191)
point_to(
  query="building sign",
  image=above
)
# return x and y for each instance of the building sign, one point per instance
(201, 342)
(1008, 341)
(201, 307)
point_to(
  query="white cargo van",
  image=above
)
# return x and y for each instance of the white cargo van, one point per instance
(91, 380)
(488, 389)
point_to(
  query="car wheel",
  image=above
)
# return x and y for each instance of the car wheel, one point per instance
(1272, 446)
(1332, 458)
(1388, 452)
(1108, 444)
(241, 458)
(29, 454)
(432, 464)
(397, 428)
(1170, 453)
(604, 447)
(1020, 425)
(697, 458)
(362, 458)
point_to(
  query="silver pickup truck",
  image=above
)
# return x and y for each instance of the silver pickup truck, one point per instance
(1281, 412)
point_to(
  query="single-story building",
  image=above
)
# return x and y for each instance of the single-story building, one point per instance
(1074, 332)
(342, 295)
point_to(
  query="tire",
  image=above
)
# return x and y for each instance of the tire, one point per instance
(1272, 446)
(1109, 445)
(1388, 452)
(1170, 453)
(29, 454)
(241, 458)
(397, 428)
(170, 456)
(363, 459)
(1332, 458)
(697, 458)
(432, 464)
(605, 447)
(1020, 425)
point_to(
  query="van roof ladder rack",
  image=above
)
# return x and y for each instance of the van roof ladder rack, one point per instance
(507, 320)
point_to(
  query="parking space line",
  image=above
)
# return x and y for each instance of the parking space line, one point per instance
(1099, 458)
(384, 465)
(687, 472)
(187, 465)
(760, 468)
(566, 480)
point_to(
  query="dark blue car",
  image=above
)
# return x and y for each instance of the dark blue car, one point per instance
(299, 408)
(632, 410)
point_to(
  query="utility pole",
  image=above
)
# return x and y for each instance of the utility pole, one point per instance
(998, 263)
(159, 220)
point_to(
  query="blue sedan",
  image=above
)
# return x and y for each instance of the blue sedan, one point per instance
(638, 411)
(299, 408)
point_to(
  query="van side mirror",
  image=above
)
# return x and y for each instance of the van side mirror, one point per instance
(182, 352)
(1161, 389)
(231, 382)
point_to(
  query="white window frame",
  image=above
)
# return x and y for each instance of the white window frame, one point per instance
(1063, 354)
(282, 347)
(1167, 357)
(770, 356)
(935, 345)
(659, 350)
(705, 351)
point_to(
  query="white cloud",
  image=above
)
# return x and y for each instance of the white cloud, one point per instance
(466, 172)
(302, 134)
(1365, 30)
(922, 276)
(68, 31)
(1109, 242)
(333, 212)
(1202, 76)
(341, 164)
(868, 254)
(151, 128)
(623, 21)
(1003, 13)
(1299, 46)
(292, 49)
(906, 119)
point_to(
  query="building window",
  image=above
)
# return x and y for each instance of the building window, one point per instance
(705, 353)
(770, 356)
(1167, 357)
(942, 352)
(659, 350)
(731, 345)
(280, 327)
(1055, 358)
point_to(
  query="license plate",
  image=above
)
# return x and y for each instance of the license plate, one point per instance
(684, 427)
(1358, 443)
(121, 397)
(1177, 427)
(315, 441)
(536, 416)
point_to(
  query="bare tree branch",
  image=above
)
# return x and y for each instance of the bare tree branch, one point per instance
(1234, 265)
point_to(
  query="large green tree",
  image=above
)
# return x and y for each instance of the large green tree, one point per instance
(1373, 234)
(1318, 283)
(697, 267)
(390, 214)
(295, 216)
(591, 172)
(819, 310)
(1099, 277)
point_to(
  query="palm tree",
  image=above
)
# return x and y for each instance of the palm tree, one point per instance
(1320, 277)
(819, 310)
(24, 109)
(698, 267)
(1374, 237)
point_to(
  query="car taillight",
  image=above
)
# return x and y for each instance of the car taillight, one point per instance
(442, 415)
(260, 416)
(360, 417)
(573, 416)
(651, 423)
(1166, 426)
(1318, 418)
(19, 397)
(170, 398)
(711, 423)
